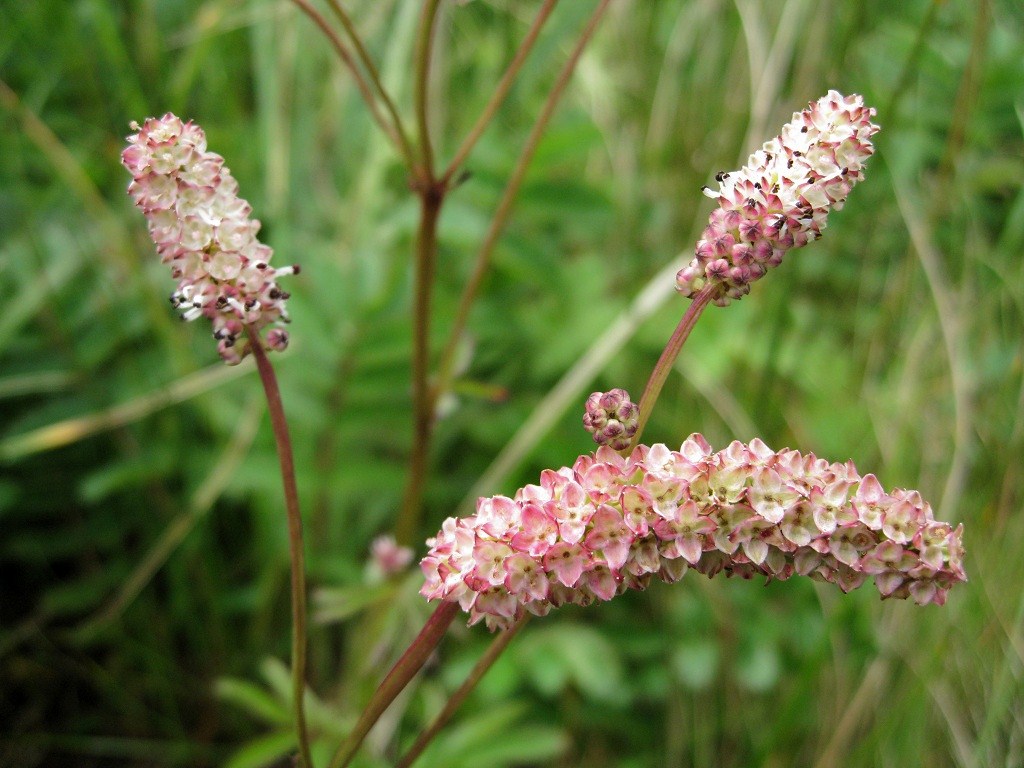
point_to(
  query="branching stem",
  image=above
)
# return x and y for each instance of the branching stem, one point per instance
(500, 92)
(393, 132)
(483, 259)
(375, 79)
(424, 47)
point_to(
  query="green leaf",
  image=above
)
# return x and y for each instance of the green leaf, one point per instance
(253, 699)
(492, 738)
(340, 603)
(574, 653)
(263, 751)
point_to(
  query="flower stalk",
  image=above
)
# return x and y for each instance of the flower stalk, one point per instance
(494, 650)
(282, 440)
(203, 230)
(396, 680)
(407, 523)
(668, 357)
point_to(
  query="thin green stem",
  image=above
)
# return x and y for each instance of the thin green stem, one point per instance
(279, 424)
(501, 214)
(375, 79)
(396, 680)
(668, 359)
(498, 97)
(424, 44)
(393, 132)
(423, 411)
(494, 650)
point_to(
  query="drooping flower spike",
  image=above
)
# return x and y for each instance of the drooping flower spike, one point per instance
(202, 228)
(609, 523)
(782, 197)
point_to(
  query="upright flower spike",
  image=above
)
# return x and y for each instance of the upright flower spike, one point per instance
(781, 198)
(609, 523)
(202, 228)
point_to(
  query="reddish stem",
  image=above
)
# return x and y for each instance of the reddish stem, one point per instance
(494, 650)
(397, 679)
(668, 359)
(279, 424)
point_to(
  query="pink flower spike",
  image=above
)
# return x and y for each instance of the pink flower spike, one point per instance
(387, 557)
(604, 525)
(782, 197)
(202, 229)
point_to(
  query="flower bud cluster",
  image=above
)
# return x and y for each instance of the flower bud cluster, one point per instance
(781, 198)
(610, 523)
(612, 418)
(388, 557)
(202, 229)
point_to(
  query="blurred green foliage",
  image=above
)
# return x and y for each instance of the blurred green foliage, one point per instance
(143, 559)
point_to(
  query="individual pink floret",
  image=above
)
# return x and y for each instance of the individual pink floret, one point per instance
(782, 197)
(611, 523)
(202, 229)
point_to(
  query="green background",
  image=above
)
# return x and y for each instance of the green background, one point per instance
(143, 553)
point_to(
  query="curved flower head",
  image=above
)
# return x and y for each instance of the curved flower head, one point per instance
(202, 229)
(608, 524)
(782, 197)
